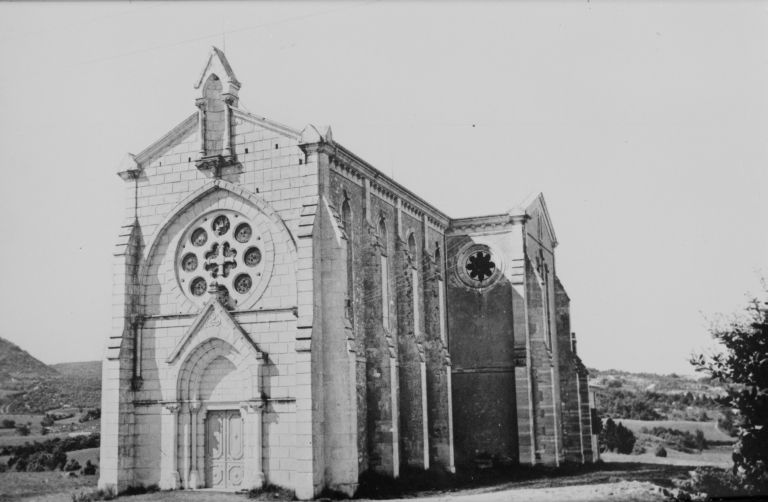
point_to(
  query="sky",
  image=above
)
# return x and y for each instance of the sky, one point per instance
(643, 123)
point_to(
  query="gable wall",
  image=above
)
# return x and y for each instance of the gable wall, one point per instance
(271, 169)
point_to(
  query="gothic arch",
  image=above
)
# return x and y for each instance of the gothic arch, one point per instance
(190, 372)
(186, 212)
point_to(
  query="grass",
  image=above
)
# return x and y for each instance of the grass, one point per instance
(719, 456)
(82, 456)
(41, 485)
(19, 440)
(710, 430)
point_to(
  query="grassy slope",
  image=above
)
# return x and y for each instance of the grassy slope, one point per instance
(710, 430)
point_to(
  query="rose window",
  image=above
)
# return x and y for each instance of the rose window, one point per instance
(225, 248)
(479, 266)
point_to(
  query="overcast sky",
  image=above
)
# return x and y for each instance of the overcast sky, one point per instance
(644, 125)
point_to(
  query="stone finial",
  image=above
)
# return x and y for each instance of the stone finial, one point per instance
(213, 290)
(518, 215)
(316, 134)
(128, 168)
(218, 66)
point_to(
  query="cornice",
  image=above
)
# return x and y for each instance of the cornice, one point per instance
(387, 188)
(497, 223)
(181, 130)
(347, 172)
(238, 113)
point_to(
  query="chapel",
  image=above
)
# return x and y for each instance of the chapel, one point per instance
(285, 313)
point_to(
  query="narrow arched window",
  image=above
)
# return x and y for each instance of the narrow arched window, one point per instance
(414, 285)
(346, 221)
(384, 274)
(440, 292)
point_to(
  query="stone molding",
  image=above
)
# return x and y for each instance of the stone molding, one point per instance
(211, 315)
(239, 114)
(199, 194)
(180, 131)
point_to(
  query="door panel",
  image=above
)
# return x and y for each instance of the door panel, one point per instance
(224, 450)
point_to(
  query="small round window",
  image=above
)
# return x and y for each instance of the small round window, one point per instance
(478, 266)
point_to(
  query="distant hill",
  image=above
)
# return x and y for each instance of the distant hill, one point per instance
(648, 396)
(651, 382)
(17, 366)
(28, 385)
(88, 369)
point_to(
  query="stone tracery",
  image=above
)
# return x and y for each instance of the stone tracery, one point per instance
(213, 247)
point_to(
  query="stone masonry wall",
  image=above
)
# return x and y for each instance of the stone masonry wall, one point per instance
(569, 389)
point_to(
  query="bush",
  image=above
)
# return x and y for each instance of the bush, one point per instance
(728, 424)
(719, 483)
(742, 364)
(72, 465)
(89, 469)
(660, 451)
(89, 415)
(23, 430)
(682, 441)
(8, 424)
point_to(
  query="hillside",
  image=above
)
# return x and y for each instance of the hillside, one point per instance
(648, 396)
(651, 382)
(18, 368)
(27, 385)
(88, 369)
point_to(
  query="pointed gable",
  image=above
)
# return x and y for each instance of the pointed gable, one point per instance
(536, 205)
(218, 66)
(213, 318)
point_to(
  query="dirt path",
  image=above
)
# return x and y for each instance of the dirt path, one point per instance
(623, 491)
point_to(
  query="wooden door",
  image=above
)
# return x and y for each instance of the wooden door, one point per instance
(224, 450)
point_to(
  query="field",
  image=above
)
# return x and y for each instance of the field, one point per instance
(710, 430)
(718, 456)
(83, 456)
(42, 485)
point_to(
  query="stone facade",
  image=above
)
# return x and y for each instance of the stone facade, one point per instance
(520, 392)
(283, 313)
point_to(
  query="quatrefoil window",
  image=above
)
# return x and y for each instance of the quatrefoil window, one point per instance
(222, 247)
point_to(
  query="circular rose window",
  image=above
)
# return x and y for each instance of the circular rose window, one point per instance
(222, 247)
(478, 266)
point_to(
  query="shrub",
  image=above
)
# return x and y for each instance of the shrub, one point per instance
(72, 465)
(742, 364)
(8, 424)
(89, 415)
(719, 483)
(23, 430)
(682, 441)
(660, 451)
(89, 469)
(728, 424)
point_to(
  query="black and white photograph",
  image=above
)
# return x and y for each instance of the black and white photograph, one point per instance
(447, 251)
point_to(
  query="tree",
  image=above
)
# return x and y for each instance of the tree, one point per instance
(617, 437)
(743, 364)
